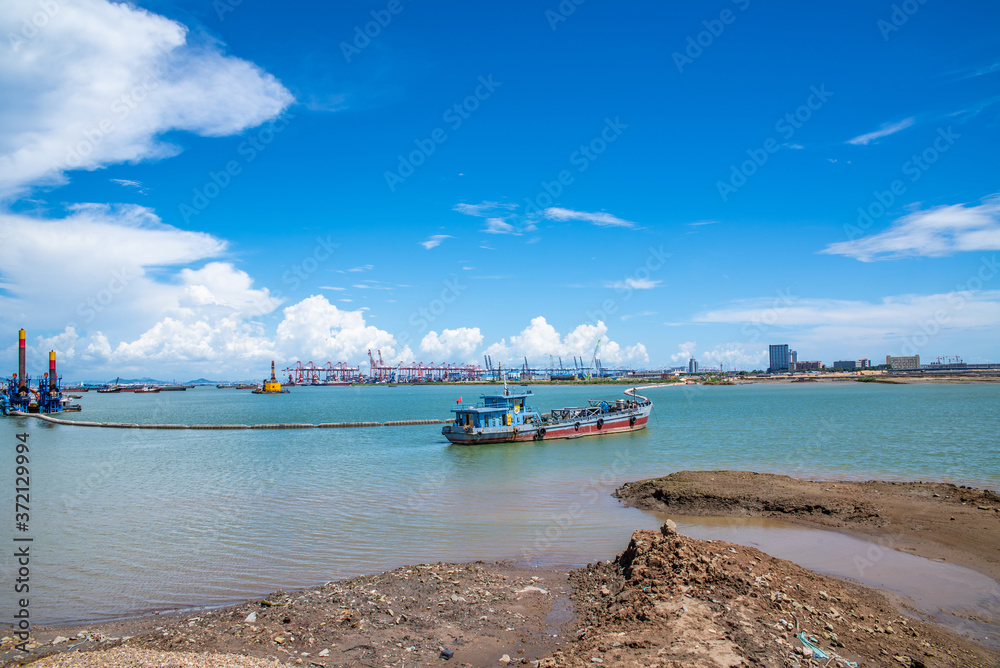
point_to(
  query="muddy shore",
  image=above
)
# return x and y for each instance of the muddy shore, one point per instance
(938, 521)
(667, 600)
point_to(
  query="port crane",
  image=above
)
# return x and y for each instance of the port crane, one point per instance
(597, 360)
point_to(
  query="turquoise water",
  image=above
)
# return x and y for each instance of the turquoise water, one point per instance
(127, 522)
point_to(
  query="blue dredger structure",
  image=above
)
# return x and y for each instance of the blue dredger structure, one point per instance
(16, 394)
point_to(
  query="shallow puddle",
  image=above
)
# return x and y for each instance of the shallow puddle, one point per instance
(943, 591)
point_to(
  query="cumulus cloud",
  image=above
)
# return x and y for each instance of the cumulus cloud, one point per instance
(735, 355)
(222, 286)
(316, 329)
(99, 266)
(685, 352)
(185, 341)
(102, 81)
(452, 344)
(539, 340)
(884, 131)
(936, 232)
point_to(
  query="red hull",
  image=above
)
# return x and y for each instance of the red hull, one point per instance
(529, 433)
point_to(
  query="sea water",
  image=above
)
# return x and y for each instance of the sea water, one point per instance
(127, 521)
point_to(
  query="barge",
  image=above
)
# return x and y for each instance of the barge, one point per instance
(507, 418)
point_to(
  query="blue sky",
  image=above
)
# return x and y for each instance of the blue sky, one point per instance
(193, 189)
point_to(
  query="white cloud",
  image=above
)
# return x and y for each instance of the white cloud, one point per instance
(451, 344)
(871, 326)
(227, 289)
(100, 266)
(500, 218)
(102, 81)
(499, 226)
(201, 340)
(434, 240)
(884, 131)
(130, 183)
(686, 352)
(641, 314)
(539, 340)
(316, 329)
(735, 355)
(937, 232)
(598, 218)
(486, 209)
(632, 283)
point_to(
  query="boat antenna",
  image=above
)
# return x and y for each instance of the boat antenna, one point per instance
(506, 392)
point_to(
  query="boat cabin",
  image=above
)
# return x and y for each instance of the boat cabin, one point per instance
(496, 410)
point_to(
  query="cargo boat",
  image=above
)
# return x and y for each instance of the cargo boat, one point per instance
(507, 417)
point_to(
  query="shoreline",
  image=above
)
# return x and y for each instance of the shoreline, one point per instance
(940, 521)
(655, 591)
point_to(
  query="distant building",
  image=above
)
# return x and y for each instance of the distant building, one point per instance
(692, 365)
(793, 360)
(864, 363)
(809, 366)
(906, 362)
(779, 358)
(845, 365)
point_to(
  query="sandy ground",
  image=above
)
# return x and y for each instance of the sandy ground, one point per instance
(667, 600)
(411, 616)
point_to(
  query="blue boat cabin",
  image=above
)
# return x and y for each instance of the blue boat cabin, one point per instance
(497, 410)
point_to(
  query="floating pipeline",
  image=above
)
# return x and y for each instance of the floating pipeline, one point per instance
(290, 425)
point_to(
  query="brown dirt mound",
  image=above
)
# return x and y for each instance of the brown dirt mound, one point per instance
(673, 601)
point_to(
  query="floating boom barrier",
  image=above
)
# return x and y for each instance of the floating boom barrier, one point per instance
(289, 425)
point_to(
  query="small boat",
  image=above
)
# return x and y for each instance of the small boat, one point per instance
(505, 418)
(147, 389)
(112, 388)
